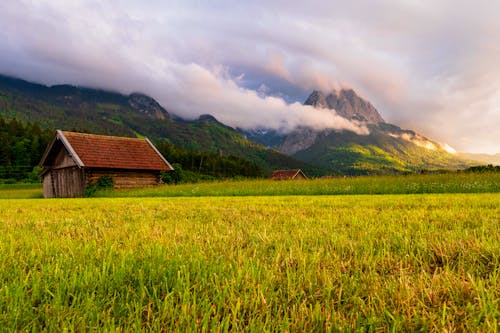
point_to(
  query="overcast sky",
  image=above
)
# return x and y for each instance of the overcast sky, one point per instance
(431, 66)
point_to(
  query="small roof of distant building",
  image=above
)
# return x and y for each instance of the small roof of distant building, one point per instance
(103, 151)
(288, 174)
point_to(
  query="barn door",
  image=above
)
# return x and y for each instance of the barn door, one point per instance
(68, 182)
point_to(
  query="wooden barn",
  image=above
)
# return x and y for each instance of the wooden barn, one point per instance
(73, 161)
(288, 174)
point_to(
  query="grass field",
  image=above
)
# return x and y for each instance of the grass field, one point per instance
(410, 184)
(257, 263)
(397, 184)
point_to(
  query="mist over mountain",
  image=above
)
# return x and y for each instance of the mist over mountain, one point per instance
(385, 149)
(345, 103)
(493, 159)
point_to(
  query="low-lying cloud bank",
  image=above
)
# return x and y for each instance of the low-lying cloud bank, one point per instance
(194, 90)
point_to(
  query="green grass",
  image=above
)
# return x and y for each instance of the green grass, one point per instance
(397, 184)
(411, 184)
(294, 263)
(20, 191)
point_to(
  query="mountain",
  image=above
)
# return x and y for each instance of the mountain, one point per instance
(265, 136)
(387, 149)
(347, 104)
(105, 112)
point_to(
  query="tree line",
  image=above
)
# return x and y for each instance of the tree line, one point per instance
(191, 166)
(21, 148)
(483, 168)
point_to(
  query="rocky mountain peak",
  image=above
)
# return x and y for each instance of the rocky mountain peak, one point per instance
(317, 99)
(347, 103)
(147, 105)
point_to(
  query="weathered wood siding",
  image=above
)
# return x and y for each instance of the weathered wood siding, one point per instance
(299, 176)
(63, 159)
(125, 178)
(48, 187)
(65, 179)
(64, 183)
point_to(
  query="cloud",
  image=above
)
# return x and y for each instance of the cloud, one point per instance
(77, 45)
(426, 66)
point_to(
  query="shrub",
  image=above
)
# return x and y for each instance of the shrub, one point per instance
(103, 183)
(172, 176)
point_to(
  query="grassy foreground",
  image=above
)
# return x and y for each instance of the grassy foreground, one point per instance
(300, 263)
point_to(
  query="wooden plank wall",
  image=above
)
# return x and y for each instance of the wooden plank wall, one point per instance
(48, 190)
(64, 183)
(125, 178)
(71, 182)
(63, 159)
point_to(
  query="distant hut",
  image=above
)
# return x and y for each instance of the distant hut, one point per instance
(288, 174)
(73, 161)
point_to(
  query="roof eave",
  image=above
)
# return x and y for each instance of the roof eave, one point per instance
(70, 149)
(159, 154)
(302, 173)
(47, 151)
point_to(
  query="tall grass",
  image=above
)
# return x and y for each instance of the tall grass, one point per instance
(410, 184)
(397, 184)
(296, 263)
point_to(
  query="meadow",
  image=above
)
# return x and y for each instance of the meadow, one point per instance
(488, 182)
(395, 184)
(399, 262)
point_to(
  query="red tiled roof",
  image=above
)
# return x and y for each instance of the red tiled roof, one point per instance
(285, 174)
(101, 151)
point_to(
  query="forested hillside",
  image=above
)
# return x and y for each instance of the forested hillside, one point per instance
(21, 147)
(102, 112)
